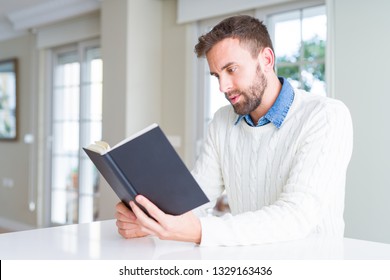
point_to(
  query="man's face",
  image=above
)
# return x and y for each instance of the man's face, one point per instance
(239, 75)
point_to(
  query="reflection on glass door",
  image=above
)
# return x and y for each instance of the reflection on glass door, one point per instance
(76, 122)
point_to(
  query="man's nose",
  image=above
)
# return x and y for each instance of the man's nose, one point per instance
(225, 84)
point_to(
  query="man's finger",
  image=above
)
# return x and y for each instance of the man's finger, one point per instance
(131, 218)
(131, 233)
(122, 208)
(126, 225)
(152, 209)
(147, 224)
(123, 213)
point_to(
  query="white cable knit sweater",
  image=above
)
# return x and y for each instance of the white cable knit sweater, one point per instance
(282, 184)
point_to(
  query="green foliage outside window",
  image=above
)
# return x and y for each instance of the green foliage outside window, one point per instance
(306, 65)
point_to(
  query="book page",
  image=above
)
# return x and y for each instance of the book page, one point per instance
(99, 147)
(102, 147)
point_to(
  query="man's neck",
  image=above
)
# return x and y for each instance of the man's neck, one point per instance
(270, 95)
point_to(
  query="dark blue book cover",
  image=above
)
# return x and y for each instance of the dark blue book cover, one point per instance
(149, 165)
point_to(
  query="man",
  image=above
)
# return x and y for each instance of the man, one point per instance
(280, 153)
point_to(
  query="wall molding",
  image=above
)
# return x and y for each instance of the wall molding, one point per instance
(50, 12)
(69, 31)
(190, 11)
(7, 32)
(14, 225)
(19, 22)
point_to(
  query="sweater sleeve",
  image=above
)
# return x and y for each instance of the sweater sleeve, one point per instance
(316, 180)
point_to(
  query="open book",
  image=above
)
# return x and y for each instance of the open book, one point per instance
(146, 163)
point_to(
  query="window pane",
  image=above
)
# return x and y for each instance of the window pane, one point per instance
(93, 102)
(67, 72)
(314, 33)
(89, 180)
(313, 79)
(314, 23)
(63, 172)
(66, 137)
(64, 190)
(289, 71)
(66, 103)
(287, 40)
(314, 49)
(96, 75)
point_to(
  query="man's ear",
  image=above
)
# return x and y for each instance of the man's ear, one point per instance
(267, 59)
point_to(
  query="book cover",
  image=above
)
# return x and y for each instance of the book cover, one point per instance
(148, 164)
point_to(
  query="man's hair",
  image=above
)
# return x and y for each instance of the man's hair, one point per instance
(251, 33)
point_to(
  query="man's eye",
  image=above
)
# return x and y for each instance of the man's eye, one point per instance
(232, 69)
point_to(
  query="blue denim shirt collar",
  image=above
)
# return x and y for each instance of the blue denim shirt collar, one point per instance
(278, 112)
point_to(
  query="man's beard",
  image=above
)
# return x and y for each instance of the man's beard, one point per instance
(250, 98)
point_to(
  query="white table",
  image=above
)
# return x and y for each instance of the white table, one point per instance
(100, 240)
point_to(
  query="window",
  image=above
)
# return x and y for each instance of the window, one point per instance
(299, 39)
(76, 121)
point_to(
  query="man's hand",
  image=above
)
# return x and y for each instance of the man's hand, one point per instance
(126, 222)
(136, 223)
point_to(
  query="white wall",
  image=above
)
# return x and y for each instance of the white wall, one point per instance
(131, 50)
(114, 54)
(361, 65)
(173, 71)
(15, 157)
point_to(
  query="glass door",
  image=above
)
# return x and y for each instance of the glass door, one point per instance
(76, 122)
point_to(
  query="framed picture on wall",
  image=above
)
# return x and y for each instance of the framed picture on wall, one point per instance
(8, 99)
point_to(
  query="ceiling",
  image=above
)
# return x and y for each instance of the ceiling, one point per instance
(19, 16)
